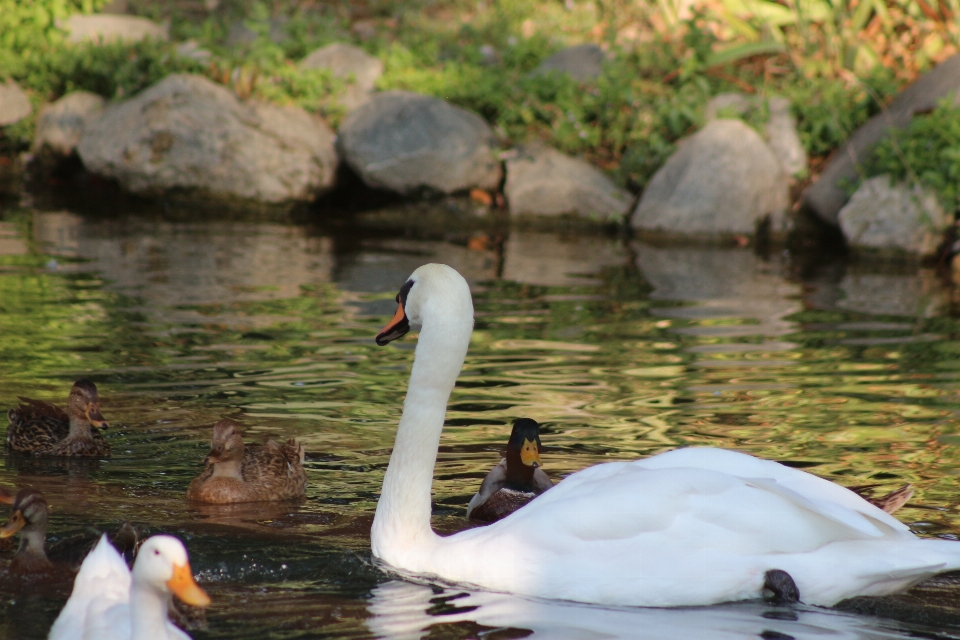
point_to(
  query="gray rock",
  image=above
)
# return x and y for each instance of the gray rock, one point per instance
(780, 129)
(60, 124)
(14, 103)
(723, 179)
(782, 136)
(544, 182)
(188, 134)
(404, 142)
(348, 62)
(582, 63)
(826, 197)
(241, 35)
(893, 217)
(729, 104)
(192, 50)
(108, 27)
(489, 56)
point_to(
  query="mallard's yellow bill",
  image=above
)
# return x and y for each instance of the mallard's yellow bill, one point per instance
(530, 453)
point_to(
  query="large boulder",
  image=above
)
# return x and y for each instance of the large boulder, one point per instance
(885, 217)
(583, 62)
(107, 27)
(188, 134)
(784, 139)
(827, 196)
(406, 142)
(780, 128)
(350, 63)
(60, 124)
(14, 103)
(722, 180)
(544, 182)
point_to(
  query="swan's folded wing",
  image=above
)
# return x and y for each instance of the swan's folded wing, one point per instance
(103, 580)
(745, 466)
(683, 509)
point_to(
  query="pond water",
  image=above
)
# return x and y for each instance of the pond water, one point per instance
(620, 348)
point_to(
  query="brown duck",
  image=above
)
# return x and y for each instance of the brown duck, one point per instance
(237, 473)
(42, 429)
(514, 482)
(29, 517)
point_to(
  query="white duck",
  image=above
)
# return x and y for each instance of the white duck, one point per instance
(107, 605)
(689, 527)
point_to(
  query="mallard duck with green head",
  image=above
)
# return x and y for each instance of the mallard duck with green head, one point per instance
(43, 429)
(514, 482)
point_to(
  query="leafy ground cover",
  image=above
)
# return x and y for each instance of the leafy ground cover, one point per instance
(838, 62)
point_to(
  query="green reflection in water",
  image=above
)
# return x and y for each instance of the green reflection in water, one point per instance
(620, 349)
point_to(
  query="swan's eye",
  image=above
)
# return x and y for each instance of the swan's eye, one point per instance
(156, 552)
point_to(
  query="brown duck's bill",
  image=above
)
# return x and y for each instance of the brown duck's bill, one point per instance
(16, 523)
(93, 415)
(396, 328)
(184, 587)
(6, 497)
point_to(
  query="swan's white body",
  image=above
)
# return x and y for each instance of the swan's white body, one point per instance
(107, 604)
(688, 527)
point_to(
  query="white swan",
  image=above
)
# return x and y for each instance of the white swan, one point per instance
(690, 527)
(107, 605)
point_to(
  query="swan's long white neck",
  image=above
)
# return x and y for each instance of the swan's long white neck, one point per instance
(402, 521)
(148, 612)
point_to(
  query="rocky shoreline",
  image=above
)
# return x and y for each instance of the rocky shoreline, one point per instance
(189, 136)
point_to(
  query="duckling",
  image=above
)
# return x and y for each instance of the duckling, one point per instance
(236, 473)
(43, 429)
(514, 482)
(28, 517)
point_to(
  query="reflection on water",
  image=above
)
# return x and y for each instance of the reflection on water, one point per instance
(619, 348)
(562, 260)
(406, 611)
(724, 284)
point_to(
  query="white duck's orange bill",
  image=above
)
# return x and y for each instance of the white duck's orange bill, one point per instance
(184, 587)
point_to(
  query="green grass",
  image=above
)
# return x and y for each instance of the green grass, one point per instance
(651, 94)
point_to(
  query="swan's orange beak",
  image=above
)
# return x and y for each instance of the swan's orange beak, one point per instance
(396, 328)
(184, 587)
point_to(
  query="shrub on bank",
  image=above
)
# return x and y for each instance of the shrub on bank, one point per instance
(926, 152)
(663, 66)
